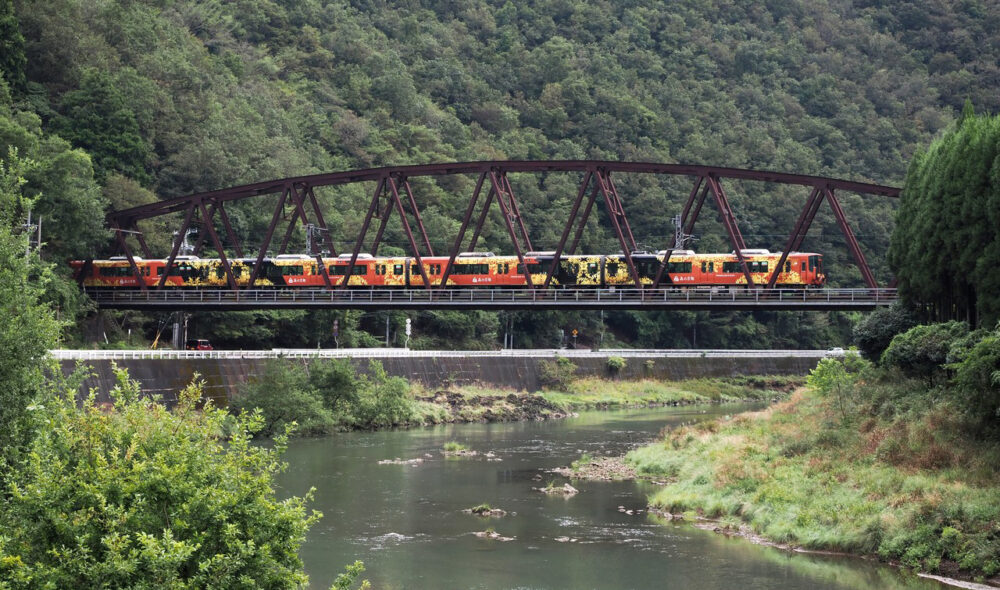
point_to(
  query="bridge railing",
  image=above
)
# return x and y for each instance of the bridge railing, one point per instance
(309, 353)
(527, 297)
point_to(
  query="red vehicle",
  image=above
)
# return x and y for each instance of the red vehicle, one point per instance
(198, 344)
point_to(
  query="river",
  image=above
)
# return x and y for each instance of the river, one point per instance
(406, 522)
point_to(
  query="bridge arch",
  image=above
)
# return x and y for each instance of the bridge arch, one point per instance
(393, 187)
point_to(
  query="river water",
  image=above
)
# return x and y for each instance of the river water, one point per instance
(406, 522)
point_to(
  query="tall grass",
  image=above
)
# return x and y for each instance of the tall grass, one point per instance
(895, 476)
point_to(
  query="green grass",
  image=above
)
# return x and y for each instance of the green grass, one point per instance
(454, 447)
(908, 486)
(592, 392)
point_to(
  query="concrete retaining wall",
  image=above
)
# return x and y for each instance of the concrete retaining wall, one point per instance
(223, 376)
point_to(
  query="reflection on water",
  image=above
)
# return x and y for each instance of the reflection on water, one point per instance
(405, 522)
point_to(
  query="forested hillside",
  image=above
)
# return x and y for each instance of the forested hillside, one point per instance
(119, 103)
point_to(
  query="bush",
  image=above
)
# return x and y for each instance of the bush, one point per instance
(283, 395)
(556, 374)
(616, 364)
(135, 496)
(923, 351)
(875, 332)
(336, 382)
(383, 400)
(835, 377)
(978, 380)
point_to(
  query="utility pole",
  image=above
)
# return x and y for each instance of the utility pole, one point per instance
(28, 229)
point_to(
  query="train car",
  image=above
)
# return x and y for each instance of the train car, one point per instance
(686, 269)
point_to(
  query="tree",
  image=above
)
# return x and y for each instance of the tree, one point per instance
(12, 58)
(923, 351)
(875, 331)
(283, 396)
(28, 328)
(978, 380)
(136, 496)
(336, 382)
(97, 118)
(945, 250)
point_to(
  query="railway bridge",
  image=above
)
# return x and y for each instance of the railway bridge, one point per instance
(298, 207)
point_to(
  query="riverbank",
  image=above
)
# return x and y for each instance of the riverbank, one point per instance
(486, 404)
(821, 473)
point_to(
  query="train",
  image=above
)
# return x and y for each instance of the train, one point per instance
(685, 269)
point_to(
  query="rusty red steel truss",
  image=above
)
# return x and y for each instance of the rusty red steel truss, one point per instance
(393, 187)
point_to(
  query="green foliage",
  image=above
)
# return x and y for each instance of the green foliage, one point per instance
(978, 379)
(907, 484)
(616, 364)
(12, 57)
(556, 374)
(383, 400)
(875, 331)
(324, 396)
(137, 496)
(97, 118)
(283, 396)
(945, 249)
(923, 351)
(28, 328)
(336, 381)
(836, 376)
(453, 447)
(347, 579)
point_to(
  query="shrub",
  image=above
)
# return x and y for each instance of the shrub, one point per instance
(283, 395)
(135, 496)
(978, 380)
(922, 351)
(875, 332)
(383, 400)
(453, 447)
(836, 377)
(556, 374)
(616, 364)
(336, 381)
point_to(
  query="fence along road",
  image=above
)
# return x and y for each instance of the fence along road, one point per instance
(662, 298)
(376, 353)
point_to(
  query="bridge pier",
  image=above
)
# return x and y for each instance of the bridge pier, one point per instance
(180, 330)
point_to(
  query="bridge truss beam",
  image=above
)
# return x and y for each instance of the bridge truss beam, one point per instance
(393, 192)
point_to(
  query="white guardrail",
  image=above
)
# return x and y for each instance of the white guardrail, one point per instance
(307, 353)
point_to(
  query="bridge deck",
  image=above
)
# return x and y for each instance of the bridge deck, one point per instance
(496, 299)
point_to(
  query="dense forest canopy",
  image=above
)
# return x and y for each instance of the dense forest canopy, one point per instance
(171, 97)
(946, 250)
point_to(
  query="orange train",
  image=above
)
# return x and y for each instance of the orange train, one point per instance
(470, 270)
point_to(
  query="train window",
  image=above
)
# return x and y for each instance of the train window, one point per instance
(592, 268)
(803, 266)
(220, 271)
(397, 269)
(292, 271)
(704, 267)
(788, 267)
(612, 268)
(115, 271)
(679, 267)
(711, 267)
